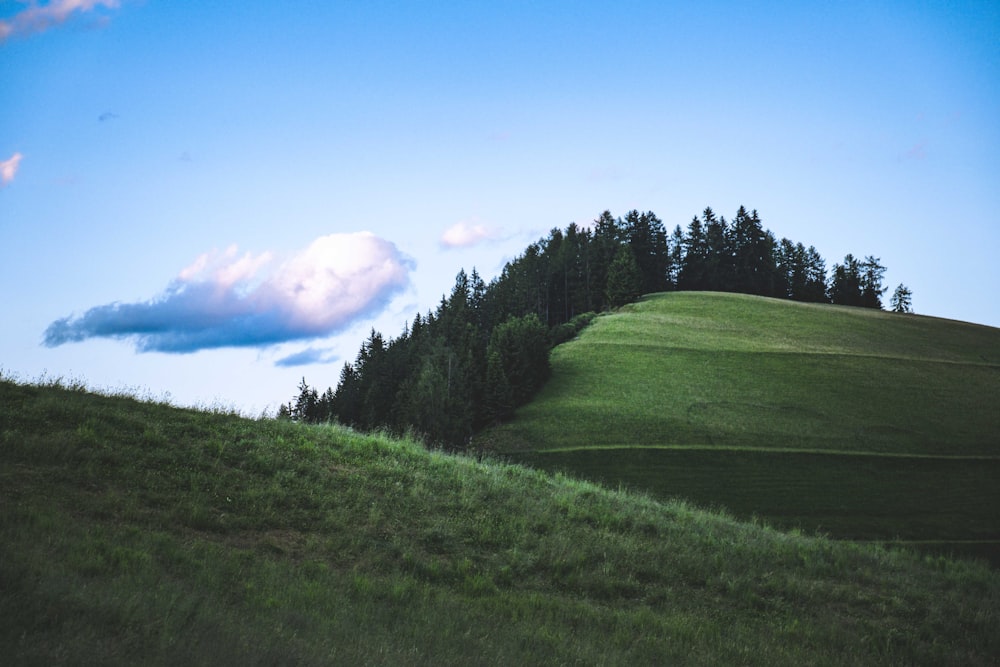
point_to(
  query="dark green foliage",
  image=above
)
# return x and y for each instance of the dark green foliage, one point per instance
(521, 346)
(753, 251)
(434, 399)
(624, 278)
(499, 396)
(858, 283)
(647, 239)
(568, 330)
(902, 299)
(801, 273)
(436, 378)
(871, 283)
(694, 257)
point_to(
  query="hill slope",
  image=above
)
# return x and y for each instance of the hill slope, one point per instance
(858, 422)
(136, 532)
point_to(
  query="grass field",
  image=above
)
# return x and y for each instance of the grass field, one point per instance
(137, 533)
(854, 422)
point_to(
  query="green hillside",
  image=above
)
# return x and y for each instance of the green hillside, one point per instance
(855, 422)
(137, 533)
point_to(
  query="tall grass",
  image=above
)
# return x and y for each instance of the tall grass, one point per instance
(134, 532)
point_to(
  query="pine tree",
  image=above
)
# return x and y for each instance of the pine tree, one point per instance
(606, 241)
(676, 257)
(519, 348)
(871, 282)
(815, 267)
(720, 272)
(902, 299)
(306, 404)
(624, 279)
(693, 270)
(647, 238)
(845, 284)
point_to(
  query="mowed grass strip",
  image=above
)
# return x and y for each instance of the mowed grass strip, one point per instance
(859, 423)
(133, 533)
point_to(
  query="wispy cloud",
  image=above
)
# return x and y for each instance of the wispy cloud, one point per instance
(466, 233)
(228, 299)
(8, 169)
(38, 17)
(310, 355)
(916, 152)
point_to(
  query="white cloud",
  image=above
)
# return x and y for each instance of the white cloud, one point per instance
(8, 168)
(39, 17)
(231, 300)
(225, 269)
(467, 233)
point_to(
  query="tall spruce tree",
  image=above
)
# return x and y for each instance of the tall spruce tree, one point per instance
(695, 266)
(845, 284)
(647, 239)
(872, 273)
(624, 278)
(902, 299)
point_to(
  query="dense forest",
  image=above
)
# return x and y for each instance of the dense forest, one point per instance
(485, 349)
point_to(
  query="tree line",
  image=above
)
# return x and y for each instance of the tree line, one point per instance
(484, 350)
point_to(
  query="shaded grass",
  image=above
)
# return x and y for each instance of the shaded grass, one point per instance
(952, 505)
(134, 532)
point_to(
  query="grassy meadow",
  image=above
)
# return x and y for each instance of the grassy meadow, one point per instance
(133, 532)
(856, 423)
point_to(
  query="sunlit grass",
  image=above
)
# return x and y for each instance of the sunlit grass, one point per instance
(137, 532)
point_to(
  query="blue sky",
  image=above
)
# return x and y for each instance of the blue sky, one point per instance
(207, 201)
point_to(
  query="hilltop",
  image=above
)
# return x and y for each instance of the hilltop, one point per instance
(137, 532)
(855, 422)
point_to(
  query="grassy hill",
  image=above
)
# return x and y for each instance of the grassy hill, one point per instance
(858, 423)
(133, 532)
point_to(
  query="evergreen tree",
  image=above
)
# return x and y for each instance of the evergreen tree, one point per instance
(753, 251)
(347, 397)
(694, 268)
(647, 239)
(791, 268)
(434, 400)
(305, 409)
(676, 257)
(606, 241)
(719, 274)
(574, 262)
(815, 285)
(902, 299)
(499, 396)
(624, 279)
(845, 284)
(872, 273)
(520, 349)
(556, 297)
